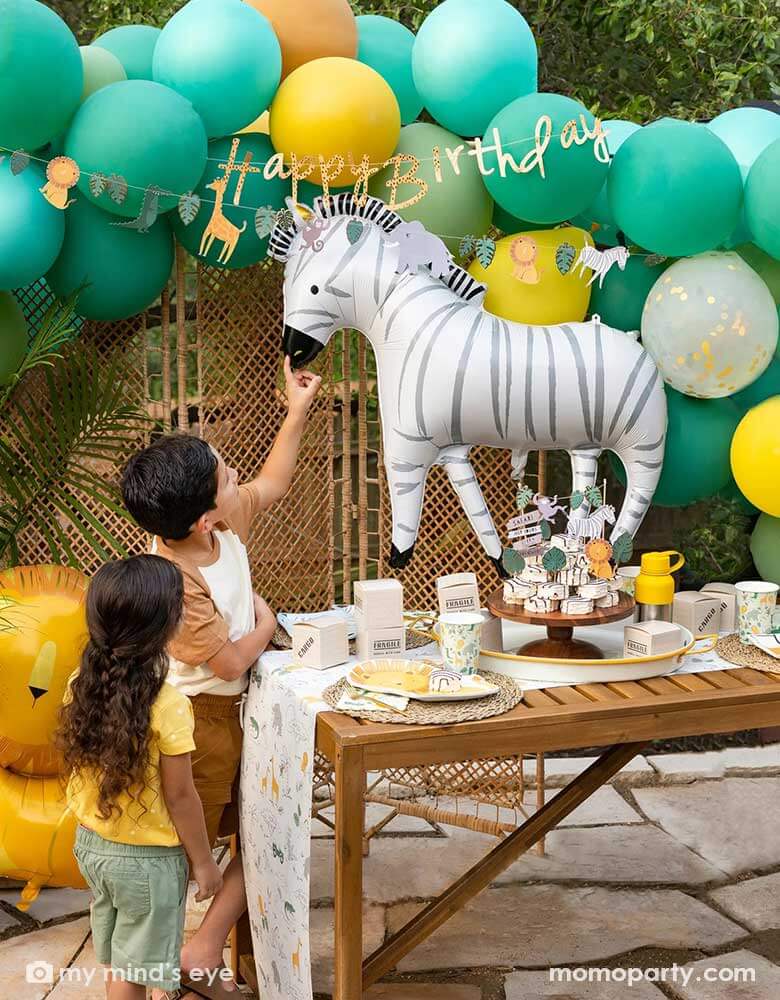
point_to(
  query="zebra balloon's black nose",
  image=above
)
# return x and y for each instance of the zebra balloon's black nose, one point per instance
(300, 347)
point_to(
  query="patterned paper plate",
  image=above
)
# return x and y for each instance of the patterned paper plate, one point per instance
(410, 678)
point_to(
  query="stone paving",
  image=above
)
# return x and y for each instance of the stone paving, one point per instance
(669, 877)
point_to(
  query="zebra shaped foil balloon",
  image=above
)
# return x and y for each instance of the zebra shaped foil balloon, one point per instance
(452, 376)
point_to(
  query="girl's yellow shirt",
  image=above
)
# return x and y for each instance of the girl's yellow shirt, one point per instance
(141, 816)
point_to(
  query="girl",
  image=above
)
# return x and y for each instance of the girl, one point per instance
(126, 737)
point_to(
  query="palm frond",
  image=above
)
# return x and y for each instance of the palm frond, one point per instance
(61, 441)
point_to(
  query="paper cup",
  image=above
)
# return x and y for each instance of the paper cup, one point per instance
(627, 576)
(756, 607)
(459, 638)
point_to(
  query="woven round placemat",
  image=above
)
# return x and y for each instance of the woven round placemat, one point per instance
(281, 640)
(731, 649)
(419, 713)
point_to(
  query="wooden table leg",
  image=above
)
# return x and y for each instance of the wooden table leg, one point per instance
(482, 874)
(348, 923)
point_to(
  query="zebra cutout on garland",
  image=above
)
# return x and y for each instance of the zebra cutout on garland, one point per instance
(452, 376)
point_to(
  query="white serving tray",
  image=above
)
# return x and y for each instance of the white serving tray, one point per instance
(473, 686)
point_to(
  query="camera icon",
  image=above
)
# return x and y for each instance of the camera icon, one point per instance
(39, 972)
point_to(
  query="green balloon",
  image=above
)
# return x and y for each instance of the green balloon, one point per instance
(675, 188)
(697, 461)
(124, 271)
(133, 45)
(459, 205)
(572, 177)
(40, 74)
(13, 337)
(765, 547)
(765, 385)
(31, 230)
(762, 197)
(509, 224)
(621, 299)
(146, 133)
(257, 192)
(732, 492)
(307, 192)
(386, 46)
(766, 267)
(101, 67)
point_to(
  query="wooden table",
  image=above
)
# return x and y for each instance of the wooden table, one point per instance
(622, 716)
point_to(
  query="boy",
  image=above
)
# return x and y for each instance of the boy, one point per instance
(180, 490)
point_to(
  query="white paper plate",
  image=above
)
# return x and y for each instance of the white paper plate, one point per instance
(359, 676)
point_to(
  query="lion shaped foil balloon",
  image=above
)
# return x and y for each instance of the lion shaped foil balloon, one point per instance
(452, 376)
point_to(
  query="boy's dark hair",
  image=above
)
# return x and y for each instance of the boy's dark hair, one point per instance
(170, 484)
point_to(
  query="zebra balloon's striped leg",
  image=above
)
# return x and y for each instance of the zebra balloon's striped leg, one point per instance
(464, 481)
(519, 462)
(584, 469)
(406, 482)
(639, 496)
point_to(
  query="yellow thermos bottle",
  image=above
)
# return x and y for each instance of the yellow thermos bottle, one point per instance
(655, 585)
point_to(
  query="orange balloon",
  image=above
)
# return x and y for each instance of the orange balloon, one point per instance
(310, 29)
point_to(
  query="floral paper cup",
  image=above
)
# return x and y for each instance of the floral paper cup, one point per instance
(756, 606)
(459, 639)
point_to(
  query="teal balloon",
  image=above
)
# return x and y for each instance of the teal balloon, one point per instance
(133, 45)
(257, 192)
(40, 74)
(147, 133)
(621, 299)
(31, 230)
(766, 385)
(762, 200)
(675, 189)
(572, 177)
(13, 337)
(386, 46)
(123, 271)
(458, 206)
(597, 219)
(509, 224)
(765, 547)
(101, 67)
(470, 60)
(697, 457)
(223, 56)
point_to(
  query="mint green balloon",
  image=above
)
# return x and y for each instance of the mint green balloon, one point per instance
(765, 547)
(133, 45)
(147, 133)
(675, 189)
(621, 299)
(762, 200)
(458, 206)
(40, 74)
(386, 46)
(101, 67)
(470, 59)
(13, 337)
(256, 192)
(572, 177)
(31, 230)
(123, 271)
(597, 219)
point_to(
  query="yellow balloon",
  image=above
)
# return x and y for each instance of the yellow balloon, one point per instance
(260, 125)
(755, 456)
(42, 634)
(335, 108)
(532, 278)
(37, 833)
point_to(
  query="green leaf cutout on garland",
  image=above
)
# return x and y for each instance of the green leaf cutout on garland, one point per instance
(593, 496)
(654, 259)
(564, 257)
(546, 529)
(467, 246)
(524, 497)
(554, 560)
(284, 218)
(188, 207)
(622, 549)
(97, 184)
(19, 161)
(576, 500)
(354, 230)
(486, 251)
(265, 220)
(117, 188)
(512, 561)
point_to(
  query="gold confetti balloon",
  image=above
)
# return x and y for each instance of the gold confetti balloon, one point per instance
(711, 325)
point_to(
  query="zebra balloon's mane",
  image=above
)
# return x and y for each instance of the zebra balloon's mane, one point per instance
(285, 240)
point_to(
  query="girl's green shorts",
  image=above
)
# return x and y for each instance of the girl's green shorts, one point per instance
(139, 895)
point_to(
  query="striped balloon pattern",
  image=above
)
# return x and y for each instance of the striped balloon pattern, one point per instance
(452, 376)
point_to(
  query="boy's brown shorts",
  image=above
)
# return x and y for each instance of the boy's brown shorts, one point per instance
(216, 760)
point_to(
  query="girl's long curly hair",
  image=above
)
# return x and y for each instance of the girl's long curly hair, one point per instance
(133, 609)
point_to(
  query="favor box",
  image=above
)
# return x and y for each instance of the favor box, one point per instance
(458, 592)
(377, 643)
(651, 638)
(727, 595)
(320, 644)
(380, 603)
(699, 613)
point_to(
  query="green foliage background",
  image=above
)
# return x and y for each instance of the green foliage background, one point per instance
(636, 59)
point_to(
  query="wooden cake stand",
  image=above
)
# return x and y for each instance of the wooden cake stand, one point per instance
(560, 642)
